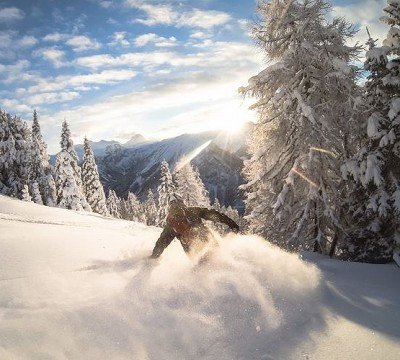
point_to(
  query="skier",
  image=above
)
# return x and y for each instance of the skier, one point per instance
(185, 223)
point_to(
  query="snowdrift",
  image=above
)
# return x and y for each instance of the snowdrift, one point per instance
(80, 286)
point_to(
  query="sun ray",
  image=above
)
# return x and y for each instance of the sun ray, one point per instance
(323, 151)
(312, 183)
(189, 157)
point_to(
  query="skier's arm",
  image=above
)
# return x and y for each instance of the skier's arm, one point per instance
(216, 216)
(163, 241)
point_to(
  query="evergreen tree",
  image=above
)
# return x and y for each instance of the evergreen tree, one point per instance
(7, 155)
(305, 100)
(92, 187)
(220, 228)
(166, 191)
(134, 208)
(216, 205)
(234, 215)
(41, 171)
(68, 175)
(203, 195)
(374, 203)
(36, 196)
(191, 187)
(14, 155)
(150, 209)
(25, 196)
(123, 209)
(113, 204)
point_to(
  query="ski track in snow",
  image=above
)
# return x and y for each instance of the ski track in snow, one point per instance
(86, 290)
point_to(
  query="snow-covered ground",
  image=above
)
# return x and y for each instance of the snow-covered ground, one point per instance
(78, 286)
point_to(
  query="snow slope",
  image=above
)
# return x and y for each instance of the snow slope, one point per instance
(77, 286)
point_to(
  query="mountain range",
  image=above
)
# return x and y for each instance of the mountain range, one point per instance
(135, 165)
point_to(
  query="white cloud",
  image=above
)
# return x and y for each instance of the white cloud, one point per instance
(364, 14)
(165, 14)
(119, 39)
(59, 89)
(27, 41)
(11, 44)
(14, 106)
(223, 55)
(95, 61)
(11, 14)
(156, 14)
(78, 43)
(105, 4)
(203, 19)
(6, 38)
(51, 98)
(52, 54)
(55, 37)
(82, 43)
(81, 82)
(112, 21)
(245, 25)
(16, 72)
(155, 39)
(200, 35)
(139, 59)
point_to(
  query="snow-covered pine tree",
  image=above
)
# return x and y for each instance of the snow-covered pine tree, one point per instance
(113, 204)
(216, 205)
(92, 187)
(36, 195)
(150, 209)
(7, 155)
(68, 175)
(204, 196)
(25, 196)
(191, 187)
(123, 209)
(216, 225)
(134, 208)
(41, 172)
(305, 100)
(234, 215)
(14, 155)
(374, 204)
(166, 190)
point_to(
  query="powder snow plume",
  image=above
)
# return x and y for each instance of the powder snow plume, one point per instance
(79, 286)
(237, 306)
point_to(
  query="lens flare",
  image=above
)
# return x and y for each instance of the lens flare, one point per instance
(323, 151)
(305, 177)
(189, 157)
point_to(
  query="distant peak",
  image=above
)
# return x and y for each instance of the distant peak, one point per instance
(135, 139)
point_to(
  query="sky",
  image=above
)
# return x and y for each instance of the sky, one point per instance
(113, 68)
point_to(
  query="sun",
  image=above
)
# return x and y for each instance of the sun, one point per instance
(234, 127)
(232, 121)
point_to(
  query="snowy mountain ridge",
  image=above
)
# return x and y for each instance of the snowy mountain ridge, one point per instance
(136, 169)
(100, 147)
(135, 165)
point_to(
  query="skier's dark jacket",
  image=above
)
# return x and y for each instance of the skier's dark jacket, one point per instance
(185, 223)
